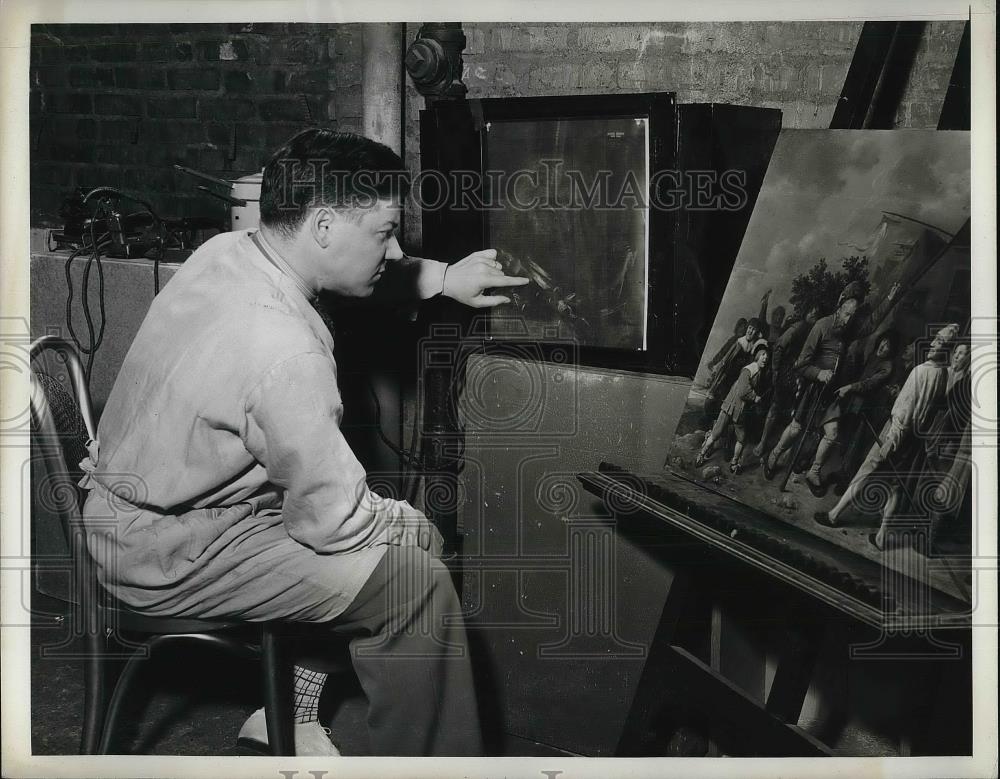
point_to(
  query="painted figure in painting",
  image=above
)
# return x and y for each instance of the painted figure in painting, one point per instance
(899, 448)
(748, 390)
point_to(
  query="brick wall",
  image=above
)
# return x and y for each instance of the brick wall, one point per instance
(119, 104)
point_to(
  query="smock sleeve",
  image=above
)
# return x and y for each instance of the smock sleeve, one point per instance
(292, 428)
(804, 363)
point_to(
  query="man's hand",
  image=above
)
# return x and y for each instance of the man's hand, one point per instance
(845, 390)
(824, 376)
(413, 528)
(467, 280)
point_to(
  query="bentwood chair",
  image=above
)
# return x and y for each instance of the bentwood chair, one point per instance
(109, 630)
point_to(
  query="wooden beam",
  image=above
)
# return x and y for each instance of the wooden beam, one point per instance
(956, 113)
(877, 76)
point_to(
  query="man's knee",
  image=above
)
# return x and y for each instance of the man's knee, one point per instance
(793, 429)
(416, 578)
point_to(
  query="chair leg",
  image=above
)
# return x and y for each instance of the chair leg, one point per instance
(277, 694)
(116, 706)
(95, 694)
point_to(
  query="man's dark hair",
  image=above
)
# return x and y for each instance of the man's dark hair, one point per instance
(855, 290)
(892, 337)
(321, 167)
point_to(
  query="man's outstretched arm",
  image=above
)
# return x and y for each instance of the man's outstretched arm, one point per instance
(466, 281)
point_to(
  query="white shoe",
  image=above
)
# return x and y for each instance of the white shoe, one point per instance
(311, 738)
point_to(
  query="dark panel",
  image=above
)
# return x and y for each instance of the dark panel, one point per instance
(732, 144)
(877, 77)
(956, 113)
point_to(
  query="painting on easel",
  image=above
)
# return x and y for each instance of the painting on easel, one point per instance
(835, 389)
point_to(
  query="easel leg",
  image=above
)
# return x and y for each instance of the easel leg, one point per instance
(654, 680)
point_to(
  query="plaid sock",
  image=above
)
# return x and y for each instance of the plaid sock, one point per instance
(308, 686)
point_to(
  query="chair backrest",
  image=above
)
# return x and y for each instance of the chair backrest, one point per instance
(62, 424)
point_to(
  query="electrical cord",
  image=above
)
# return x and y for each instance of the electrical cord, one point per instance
(163, 233)
(403, 454)
(94, 339)
(414, 466)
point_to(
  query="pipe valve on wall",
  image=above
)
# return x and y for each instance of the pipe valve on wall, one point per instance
(434, 60)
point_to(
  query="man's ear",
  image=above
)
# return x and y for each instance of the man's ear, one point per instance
(322, 223)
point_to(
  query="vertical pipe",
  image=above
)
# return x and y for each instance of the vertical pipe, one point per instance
(382, 84)
(382, 121)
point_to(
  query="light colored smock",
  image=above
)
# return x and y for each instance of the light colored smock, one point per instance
(223, 485)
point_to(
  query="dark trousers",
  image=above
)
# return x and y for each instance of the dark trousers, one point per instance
(409, 650)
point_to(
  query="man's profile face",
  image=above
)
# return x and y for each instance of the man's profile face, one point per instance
(845, 313)
(938, 350)
(960, 357)
(363, 242)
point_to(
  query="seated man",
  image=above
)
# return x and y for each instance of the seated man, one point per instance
(223, 487)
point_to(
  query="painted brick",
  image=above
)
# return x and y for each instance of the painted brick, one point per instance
(477, 75)
(166, 155)
(122, 155)
(550, 79)
(346, 42)
(611, 38)
(594, 76)
(282, 109)
(172, 107)
(228, 50)
(346, 74)
(205, 158)
(239, 81)
(147, 178)
(112, 52)
(86, 129)
(121, 105)
(172, 132)
(275, 134)
(68, 103)
(634, 75)
(248, 161)
(70, 151)
(89, 31)
(91, 77)
(509, 81)
(194, 78)
(48, 77)
(49, 173)
(313, 80)
(62, 54)
(302, 51)
(258, 50)
(219, 134)
(226, 108)
(344, 104)
(103, 176)
(252, 135)
(349, 124)
(120, 130)
(140, 78)
(475, 40)
(63, 126)
(164, 51)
